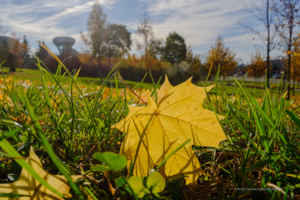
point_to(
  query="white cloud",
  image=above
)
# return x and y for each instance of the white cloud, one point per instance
(43, 20)
(200, 22)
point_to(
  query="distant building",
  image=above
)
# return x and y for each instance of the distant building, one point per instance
(64, 45)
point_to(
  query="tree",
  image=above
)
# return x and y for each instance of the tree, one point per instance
(116, 41)
(175, 49)
(257, 66)
(153, 63)
(10, 60)
(192, 59)
(265, 15)
(4, 49)
(4, 45)
(95, 35)
(144, 29)
(219, 55)
(288, 12)
(295, 68)
(25, 48)
(295, 63)
(156, 48)
(194, 62)
(16, 50)
(42, 53)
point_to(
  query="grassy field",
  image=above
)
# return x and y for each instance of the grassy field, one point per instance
(259, 159)
(34, 75)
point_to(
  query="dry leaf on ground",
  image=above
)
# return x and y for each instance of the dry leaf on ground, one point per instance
(178, 116)
(27, 185)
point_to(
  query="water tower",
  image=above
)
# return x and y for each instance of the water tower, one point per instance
(64, 44)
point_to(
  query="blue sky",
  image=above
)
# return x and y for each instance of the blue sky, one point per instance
(198, 21)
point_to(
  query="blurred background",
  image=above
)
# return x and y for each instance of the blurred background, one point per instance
(249, 38)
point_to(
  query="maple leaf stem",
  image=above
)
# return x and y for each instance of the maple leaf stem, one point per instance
(132, 90)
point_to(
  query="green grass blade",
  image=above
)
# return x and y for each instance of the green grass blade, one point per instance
(259, 165)
(13, 153)
(174, 151)
(49, 149)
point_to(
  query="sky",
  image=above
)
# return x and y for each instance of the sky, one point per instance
(199, 22)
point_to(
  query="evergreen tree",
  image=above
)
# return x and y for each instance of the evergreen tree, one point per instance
(4, 49)
(25, 51)
(41, 52)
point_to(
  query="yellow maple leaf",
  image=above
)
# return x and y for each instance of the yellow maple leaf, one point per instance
(178, 116)
(27, 185)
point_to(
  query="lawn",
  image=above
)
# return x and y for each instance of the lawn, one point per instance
(231, 142)
(259, 149)
(34, 75)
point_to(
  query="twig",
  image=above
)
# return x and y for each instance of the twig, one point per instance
(132, 90)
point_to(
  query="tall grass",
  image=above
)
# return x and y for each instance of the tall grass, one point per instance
(260, 159)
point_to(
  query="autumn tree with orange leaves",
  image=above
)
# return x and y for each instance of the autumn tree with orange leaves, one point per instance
(195, 67)
(288, 22)
(16, 50)
(295, 63)
(257, 67)
(219, 55)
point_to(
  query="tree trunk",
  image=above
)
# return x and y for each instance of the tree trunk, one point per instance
(256, 81)
(268, 46)
(200, 78)
(12, 68)
(289, 52)
(294, 76)
(283, 84)
(173, 68)
(99, 68)
(289, 78)
(146, 55)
